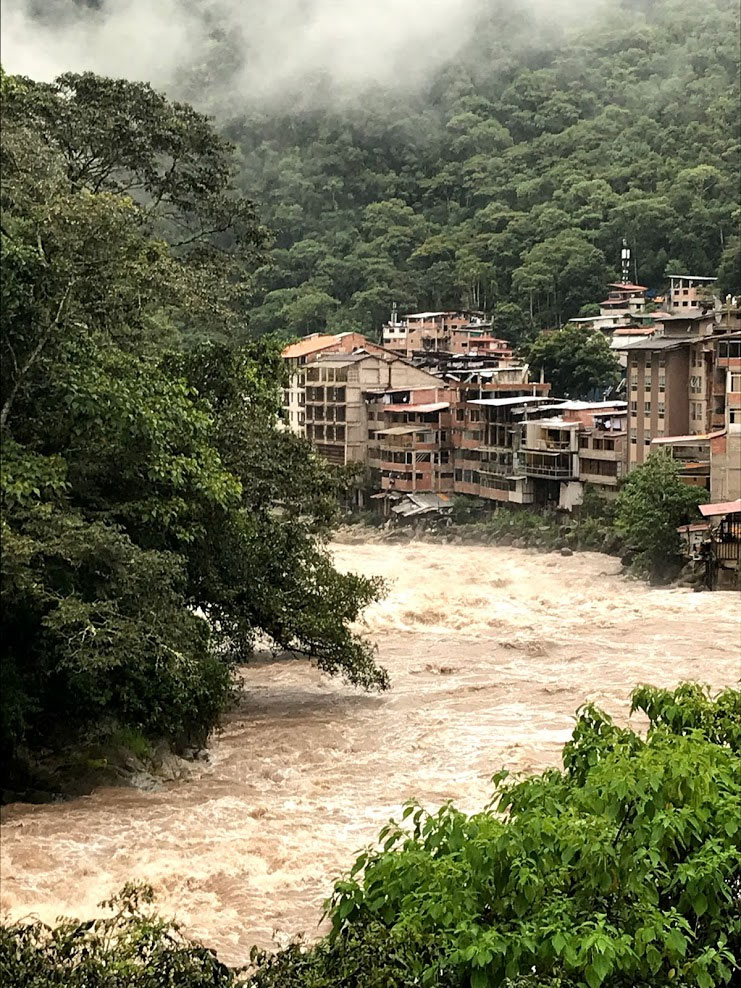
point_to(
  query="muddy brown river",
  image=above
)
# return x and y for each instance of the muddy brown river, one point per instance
(490, 650)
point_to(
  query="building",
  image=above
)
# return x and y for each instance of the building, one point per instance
(410, 441)
(725, 446)
(723, 549)
(624, 300)
(336, 386)
(689, 292)
(421, 331)
(297, 355)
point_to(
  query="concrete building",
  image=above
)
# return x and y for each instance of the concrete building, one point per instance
(725, 447)
(410, 441)
(624, 300)
(421, 331)
(297, 355)
(689, 292)
(336, 386)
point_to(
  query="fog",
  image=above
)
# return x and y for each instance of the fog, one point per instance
(252, 50)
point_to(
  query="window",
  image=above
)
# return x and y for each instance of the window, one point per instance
(661, 409)
(735, 382)
(634, 380)
(685, 304)
(662, 384)
(634, 408)
(647, 407)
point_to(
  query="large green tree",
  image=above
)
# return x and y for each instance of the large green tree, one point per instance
(651, 505)
(576, 360)
(155, 517)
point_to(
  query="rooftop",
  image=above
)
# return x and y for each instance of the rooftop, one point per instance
(660, 343)
(435, 406)
(347, 358)
(555, 423)
(627, 287)
(720, 508)
(497, 402)
(404, 430)
(580, 406)
(699, 437)
(693, 277)
(309, 344)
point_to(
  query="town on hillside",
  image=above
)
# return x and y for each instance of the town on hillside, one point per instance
(442, 407)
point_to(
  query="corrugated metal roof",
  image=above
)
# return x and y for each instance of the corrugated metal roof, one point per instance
(309, 344)
(687, 440)
(661, 343)
(497, 402)
(435, 406)
(402, 430)
(720, 508)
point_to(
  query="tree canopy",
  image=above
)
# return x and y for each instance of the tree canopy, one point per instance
(652, 503)
(155, 516)
(508, 181)
(577, 361)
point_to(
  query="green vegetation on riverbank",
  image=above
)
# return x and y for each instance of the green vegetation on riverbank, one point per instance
(639, 525)
(620, 870)
(155, 519)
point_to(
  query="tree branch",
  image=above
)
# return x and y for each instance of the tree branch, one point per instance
(33, 356)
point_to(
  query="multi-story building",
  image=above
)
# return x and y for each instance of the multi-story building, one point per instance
(624, 299)
(677, 392)
(410, 439)
(421, 331)
(297, 355)
(725, 447)
(688, 292)
(487, 433)
(336, 386)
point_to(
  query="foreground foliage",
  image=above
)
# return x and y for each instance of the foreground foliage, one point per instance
(155, 518)
(619, 871)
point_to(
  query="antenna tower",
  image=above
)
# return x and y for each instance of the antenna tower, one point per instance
(625, 261)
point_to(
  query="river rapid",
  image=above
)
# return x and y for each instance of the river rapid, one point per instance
(490, 651)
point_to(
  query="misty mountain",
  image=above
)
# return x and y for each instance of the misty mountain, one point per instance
(510, 179)
(487, 154)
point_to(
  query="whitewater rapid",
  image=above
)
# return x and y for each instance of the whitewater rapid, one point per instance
(490, 651)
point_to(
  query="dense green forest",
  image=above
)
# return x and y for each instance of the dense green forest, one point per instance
(508, 181)
(621, 870)
(145, 484)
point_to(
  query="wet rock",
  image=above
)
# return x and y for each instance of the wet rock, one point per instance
(566, 551)
(144, 781)
(167, 766)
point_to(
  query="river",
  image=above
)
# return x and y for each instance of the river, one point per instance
(490, 650)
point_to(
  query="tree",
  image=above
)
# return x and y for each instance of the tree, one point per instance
(144, 484)
(576, 360)
(111, 136)
(651, 505)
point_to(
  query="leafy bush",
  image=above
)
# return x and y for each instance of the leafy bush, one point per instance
(652, 503)
(131, 949)
(619, 871)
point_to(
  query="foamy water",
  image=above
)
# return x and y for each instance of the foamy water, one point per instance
(490, 650)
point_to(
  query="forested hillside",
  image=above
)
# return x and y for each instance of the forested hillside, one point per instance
(509, 180)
